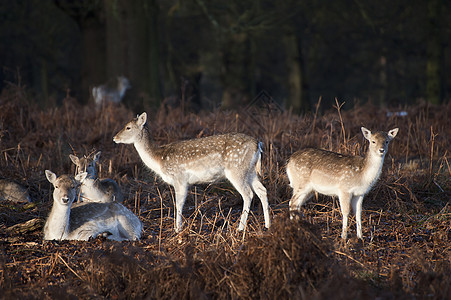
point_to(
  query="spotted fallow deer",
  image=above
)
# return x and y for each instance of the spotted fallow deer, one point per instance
(94, 189)
(236, 157)
(333, 174)
(82, 221)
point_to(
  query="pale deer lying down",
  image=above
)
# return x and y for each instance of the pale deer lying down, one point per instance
(94, 189)
(12, 191)
(107, 93)
(333, 174)
(236, 157)
(81, 221)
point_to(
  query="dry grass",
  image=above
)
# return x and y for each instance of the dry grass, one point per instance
(406, 219)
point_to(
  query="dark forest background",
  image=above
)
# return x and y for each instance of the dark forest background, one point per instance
(225, 53)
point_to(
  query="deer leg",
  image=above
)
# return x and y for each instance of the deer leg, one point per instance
(242, 186)
(247, 194)
(120, 233)
(260, 190)
(357, 207)
(128, 230)
(300, 196)
(181, 191)
(345, 205)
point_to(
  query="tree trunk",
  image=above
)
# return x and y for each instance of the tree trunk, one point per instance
(235, 75)
(132, 47)
(93, 60)
(115, 39)
(296, 98)
(434, 53)
(383, 82)
(154, 84)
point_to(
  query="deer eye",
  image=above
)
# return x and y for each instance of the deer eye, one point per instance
(128, 128)
(374, 142)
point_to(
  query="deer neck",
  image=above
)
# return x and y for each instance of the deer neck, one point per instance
(90, 182)
(146, 150)
(91, 175)
(58, 222)
(90, 189)
(372, 167)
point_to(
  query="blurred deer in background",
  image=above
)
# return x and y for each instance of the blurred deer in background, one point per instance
(82, 221)
(236, 157)
(108, 93)
(92, 188)
(333, 174)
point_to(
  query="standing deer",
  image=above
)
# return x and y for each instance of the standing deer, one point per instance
(95, 189)
(106, 93)
(333, 174)
(81, 221)
(236, 157)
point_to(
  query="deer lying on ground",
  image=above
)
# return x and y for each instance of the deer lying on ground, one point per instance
(333, 174)
(94, 189)
(82, 221)
(236, 157)
(12, 191)
(106, 93)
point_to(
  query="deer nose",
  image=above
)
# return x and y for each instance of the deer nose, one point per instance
(381, 150)
(65, 199)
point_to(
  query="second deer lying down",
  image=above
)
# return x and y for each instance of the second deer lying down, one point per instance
(334, 174)
(12, 191)
(236, 157)
(81, 221)
(94, 189)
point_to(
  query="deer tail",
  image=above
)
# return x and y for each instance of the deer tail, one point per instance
(258, 165)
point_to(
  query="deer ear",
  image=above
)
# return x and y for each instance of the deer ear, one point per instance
(366, 133)
(51, 177)
(80, 177)
(142, 119)
(392, 133)
(74, 159)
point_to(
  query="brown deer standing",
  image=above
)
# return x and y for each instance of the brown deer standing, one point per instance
(334, 174)
(236, 157)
